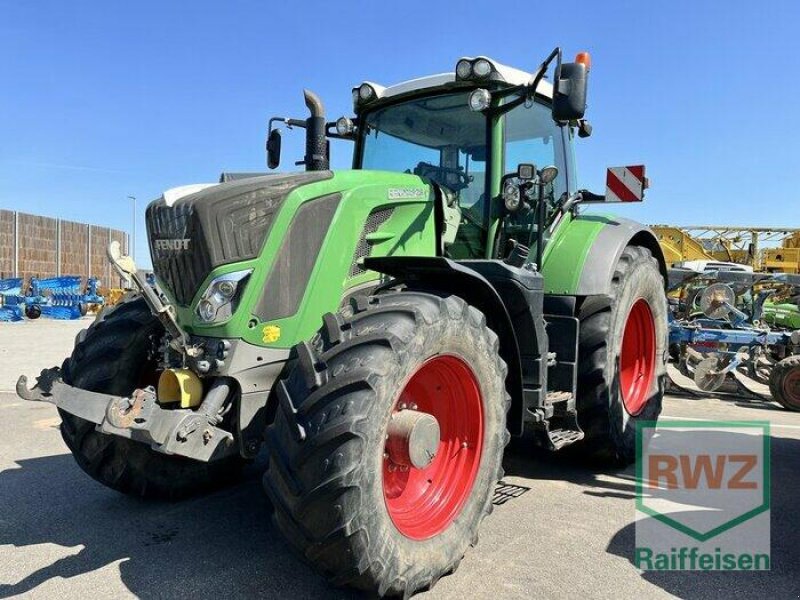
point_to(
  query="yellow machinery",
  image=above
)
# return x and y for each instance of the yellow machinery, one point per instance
(679, 245)
(785, 259)
(763, 248)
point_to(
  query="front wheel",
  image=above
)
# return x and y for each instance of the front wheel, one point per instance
(388, 441)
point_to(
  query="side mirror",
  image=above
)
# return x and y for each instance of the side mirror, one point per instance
(274, 149)
(569, 94)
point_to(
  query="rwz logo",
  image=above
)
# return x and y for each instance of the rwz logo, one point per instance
(702, 495)
(175, 244)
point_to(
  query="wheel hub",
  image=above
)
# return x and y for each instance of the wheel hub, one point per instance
(433, 446)
(413, 438)
(637, 357)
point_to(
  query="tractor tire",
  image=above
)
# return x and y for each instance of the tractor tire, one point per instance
(344, 493)
(784, 383)
(113, 356)
(622, 358)
(33, 311)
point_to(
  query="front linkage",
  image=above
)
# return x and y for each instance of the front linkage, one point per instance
(184, 432)
(192, 433)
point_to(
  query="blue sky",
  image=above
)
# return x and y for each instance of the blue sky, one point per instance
(101, 100)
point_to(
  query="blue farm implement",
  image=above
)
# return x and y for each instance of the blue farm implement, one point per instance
(720, 343)
(60, 297)
(11, 301)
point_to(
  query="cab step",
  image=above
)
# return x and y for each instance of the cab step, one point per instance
(564, 437)
(555, 397)
(558, 426)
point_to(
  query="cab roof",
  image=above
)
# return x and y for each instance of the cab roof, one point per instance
(501, 73)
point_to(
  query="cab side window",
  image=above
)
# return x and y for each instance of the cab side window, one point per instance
(532, 136)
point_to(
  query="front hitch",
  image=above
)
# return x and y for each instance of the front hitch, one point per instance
(140, 417)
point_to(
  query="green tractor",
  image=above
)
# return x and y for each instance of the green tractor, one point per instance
(381, 332)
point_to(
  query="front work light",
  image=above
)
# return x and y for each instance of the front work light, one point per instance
(221, 296)
(464, 69)
(482, 67)
(365, 92)
(344, 126)
(479, 100)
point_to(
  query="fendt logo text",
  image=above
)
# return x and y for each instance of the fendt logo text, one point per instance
(702, 496)
(177, 244)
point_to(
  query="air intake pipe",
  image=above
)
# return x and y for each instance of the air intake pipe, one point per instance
(316, 158)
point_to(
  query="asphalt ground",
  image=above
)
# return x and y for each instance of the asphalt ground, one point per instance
(559, 528)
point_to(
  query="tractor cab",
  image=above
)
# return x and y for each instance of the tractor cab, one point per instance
(495, 141)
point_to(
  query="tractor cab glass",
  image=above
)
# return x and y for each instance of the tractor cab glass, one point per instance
(532, 137)
(441, 139)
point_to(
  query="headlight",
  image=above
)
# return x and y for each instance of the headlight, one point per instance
(479, 100)
(511, 196)
(221, 296)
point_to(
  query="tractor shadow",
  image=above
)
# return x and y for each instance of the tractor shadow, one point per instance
(783, 580)
(221, 545)
(525, 460)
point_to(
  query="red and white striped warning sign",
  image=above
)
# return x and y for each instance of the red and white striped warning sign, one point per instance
(625, 184)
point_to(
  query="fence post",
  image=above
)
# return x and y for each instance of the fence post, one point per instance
(88, 251)
(58, 247)
(108, 262)
(16, 244)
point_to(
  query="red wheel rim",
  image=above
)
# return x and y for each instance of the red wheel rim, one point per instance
(791, 387)
(637, 361)
(423, 502)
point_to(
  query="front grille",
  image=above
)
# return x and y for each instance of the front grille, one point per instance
(223, 224)
(182, 270)
(375, 219)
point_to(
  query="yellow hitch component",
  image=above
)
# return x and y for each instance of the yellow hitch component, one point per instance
(180, 385)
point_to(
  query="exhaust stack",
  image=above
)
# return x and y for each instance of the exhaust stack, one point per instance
(317, 147)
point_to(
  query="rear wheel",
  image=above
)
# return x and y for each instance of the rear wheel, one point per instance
(784, 383)
(622, 358)
(113, 356)
(388, 441)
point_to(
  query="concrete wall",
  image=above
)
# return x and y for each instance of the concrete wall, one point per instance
(35, 246)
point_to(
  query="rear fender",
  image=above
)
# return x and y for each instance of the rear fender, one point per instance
(581, 257)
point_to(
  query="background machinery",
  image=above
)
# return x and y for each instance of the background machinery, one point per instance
(773, 250)
(726, 335)
(383, 331)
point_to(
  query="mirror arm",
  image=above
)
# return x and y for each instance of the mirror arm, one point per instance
(578, 197)
(571, 201)
(530, 87)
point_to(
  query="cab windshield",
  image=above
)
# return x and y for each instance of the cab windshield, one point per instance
(437, 137)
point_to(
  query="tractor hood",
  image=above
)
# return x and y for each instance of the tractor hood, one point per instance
(215, 225)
